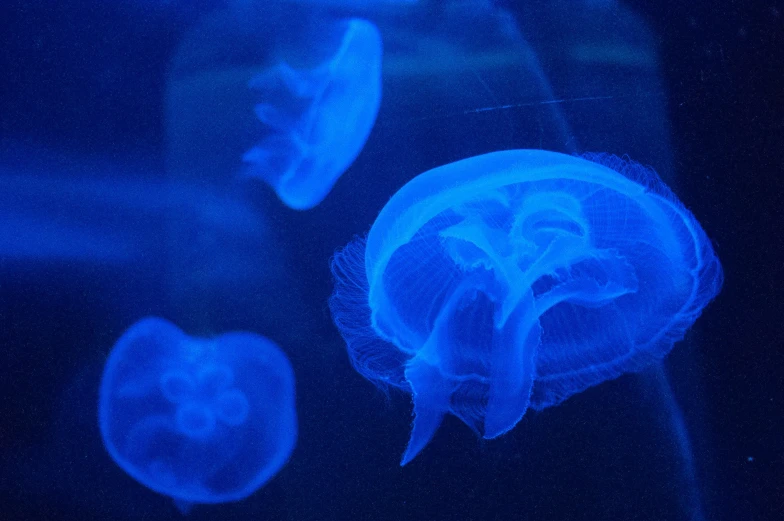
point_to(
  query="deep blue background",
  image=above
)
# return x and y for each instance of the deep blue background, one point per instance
(88, 77)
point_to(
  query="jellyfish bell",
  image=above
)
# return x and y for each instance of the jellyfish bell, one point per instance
(200, 420)
(318, 119)
(515, 279)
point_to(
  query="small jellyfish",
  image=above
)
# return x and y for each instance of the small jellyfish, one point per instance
(199, 420)
(515, 279)
(317, 119)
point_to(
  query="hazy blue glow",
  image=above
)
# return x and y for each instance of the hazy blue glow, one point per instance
(347, 3)
(58, 206)
(200, 420)
(318, 119)
(677, 424)
(516, 279)
(334, 3)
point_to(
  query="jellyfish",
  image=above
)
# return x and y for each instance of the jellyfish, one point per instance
(202, 420)
(317, 119)
(513, 280)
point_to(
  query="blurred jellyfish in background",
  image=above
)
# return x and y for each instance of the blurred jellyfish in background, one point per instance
(468, 62)
(200, 420)
(57, 207)
(516, 279)
(317, 119)
(562, 75)
(351, 4)
(602, 60)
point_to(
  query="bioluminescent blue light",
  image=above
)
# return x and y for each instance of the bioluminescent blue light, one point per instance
(318, 119)
(203, 420)
(515, 279)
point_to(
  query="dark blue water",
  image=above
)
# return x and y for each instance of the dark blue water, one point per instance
(123, 194)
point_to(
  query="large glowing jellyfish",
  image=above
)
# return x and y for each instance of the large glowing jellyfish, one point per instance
(200, 420)
(515, 279)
